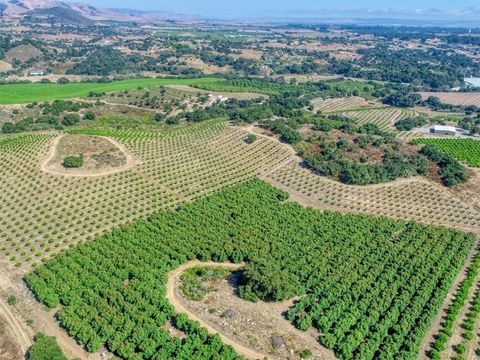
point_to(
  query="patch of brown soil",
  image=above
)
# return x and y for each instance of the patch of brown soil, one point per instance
(9, 347)
(102, 156)
(4, 66)
(22, 53)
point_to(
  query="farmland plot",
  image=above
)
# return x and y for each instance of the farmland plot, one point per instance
(464, 150)
(41, 213)
(455, 98)
(371, 286)
(233, 95)
(412, 199)
(383, 118)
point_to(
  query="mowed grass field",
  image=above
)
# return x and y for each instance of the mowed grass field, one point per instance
(27, 93)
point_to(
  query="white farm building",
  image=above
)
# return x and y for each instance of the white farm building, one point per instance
(444, 130)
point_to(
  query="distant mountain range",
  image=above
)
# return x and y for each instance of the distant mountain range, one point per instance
(79, 13)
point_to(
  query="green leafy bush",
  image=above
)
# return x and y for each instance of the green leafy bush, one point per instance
(45, 348)
(73, 162)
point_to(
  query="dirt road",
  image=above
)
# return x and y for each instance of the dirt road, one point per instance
(17, 330)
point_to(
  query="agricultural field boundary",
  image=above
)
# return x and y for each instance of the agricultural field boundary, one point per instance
(27, 93)
(324, 204)
(466, 151)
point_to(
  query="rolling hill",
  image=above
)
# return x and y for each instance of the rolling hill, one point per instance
(78, 13)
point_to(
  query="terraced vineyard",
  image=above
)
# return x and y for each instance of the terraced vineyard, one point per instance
(41, 213)
(364, 112)
(413, 199)
(464, 150)
(383, 118)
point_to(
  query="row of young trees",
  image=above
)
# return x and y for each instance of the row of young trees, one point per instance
(370, 285)
(453, 311)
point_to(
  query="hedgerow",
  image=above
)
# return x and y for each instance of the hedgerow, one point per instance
(370, 285)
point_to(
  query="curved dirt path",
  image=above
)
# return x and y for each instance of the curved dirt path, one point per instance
(131, 162)
(174, 299)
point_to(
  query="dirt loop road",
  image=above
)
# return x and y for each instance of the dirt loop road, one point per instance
(173, 298)
(130, 163)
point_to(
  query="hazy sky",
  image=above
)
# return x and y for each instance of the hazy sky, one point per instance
(266, 8)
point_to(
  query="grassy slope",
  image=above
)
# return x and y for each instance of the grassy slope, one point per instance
(26, 93)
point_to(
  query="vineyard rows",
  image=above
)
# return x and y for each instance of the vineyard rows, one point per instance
(383, 118)
(463, 150)
(41, 213)
(371, 286)
(409, 200)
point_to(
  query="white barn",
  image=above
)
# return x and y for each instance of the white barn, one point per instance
(444, 130)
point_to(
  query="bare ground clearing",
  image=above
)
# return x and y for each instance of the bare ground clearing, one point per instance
(249, 327)
(103, 156)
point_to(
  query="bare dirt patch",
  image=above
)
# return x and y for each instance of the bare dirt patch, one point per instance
(13, 341)
(101, 156)
(255, 330)
(4, 66)
(22, 53)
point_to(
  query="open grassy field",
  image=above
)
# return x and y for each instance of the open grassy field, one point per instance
(41, 213)
(27, 93)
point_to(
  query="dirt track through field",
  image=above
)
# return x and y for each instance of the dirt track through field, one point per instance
(16, 329)
(44, 321)
(174, 299)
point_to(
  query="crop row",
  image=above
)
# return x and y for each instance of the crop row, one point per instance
(339, 104)
(463, 150)
(453, 311)
(41, 213)
(409, 200)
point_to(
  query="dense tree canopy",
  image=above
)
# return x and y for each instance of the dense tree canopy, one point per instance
(370, 285)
